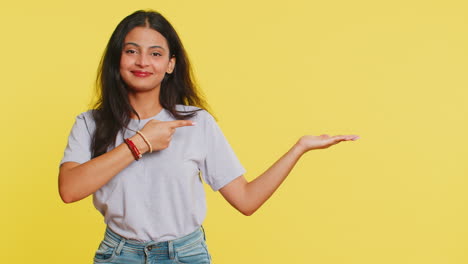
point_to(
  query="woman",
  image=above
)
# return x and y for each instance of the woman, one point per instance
(141, 151)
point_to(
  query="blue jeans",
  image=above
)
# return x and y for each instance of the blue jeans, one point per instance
(188, 249)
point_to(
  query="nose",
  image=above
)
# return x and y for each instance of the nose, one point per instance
(142, 60)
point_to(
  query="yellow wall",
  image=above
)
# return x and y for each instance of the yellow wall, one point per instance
(394, 72)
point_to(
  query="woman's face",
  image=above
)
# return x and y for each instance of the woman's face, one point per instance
(145, 59)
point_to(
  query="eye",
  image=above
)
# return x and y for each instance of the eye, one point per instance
(130, 51)
(156, 54)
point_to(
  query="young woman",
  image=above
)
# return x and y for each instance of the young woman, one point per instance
(141, 151)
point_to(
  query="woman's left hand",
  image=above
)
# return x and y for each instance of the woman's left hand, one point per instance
(307, 143)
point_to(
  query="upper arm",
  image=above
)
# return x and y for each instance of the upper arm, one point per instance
(235, 192)
(219, 165)
(62, 178)
(66, 166)
(78, 149)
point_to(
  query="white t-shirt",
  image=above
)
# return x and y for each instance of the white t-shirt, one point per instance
(160, 197)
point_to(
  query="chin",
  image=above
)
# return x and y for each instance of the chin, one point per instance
(142, 89)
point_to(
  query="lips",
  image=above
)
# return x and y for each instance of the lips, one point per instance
(141, 73)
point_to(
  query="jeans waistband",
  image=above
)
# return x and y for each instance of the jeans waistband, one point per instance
(134, 245)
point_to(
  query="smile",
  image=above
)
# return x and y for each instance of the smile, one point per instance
(141, 73)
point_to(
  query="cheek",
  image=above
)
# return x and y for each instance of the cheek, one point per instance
(160, 63)
(124, 62)
(123, 69)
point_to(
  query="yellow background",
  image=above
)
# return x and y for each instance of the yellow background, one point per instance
(394, 72)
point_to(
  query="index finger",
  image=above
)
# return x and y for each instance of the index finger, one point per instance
(180, 123)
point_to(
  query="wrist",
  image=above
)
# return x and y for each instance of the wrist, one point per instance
(298, 149)
(140, 143)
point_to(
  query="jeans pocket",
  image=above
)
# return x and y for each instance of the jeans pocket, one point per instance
(196, 253)
(105, 253)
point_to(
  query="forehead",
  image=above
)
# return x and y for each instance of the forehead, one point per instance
(146, 37)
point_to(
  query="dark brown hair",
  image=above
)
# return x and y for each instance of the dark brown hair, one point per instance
(112, 110)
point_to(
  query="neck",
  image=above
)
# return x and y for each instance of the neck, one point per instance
(146, 104)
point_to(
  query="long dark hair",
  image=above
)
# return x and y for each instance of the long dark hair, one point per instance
(113, 109)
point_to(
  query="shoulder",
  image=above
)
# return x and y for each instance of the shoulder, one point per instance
(88, 115)
(86, 120)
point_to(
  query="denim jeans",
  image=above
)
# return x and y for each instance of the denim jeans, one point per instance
(188, 249)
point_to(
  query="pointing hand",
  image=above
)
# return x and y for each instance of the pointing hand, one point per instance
(159, 133)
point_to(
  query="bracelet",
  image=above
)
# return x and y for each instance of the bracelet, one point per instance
(146, 141)
(136, 153)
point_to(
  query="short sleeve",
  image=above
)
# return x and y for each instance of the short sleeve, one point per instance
(79, 141)
(220, 165)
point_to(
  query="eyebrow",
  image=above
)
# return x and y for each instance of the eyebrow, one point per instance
(134, 44)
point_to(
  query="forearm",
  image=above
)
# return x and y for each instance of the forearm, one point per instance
(77, 181)
(247, 197)
(261, 188)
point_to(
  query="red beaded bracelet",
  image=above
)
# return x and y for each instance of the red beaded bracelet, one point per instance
(136, 153)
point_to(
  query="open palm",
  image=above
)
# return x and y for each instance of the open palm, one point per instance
(323, 141)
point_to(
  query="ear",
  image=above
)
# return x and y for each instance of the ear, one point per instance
(171, 66)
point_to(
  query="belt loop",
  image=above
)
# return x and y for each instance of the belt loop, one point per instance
(120, 246)
(170, 246)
